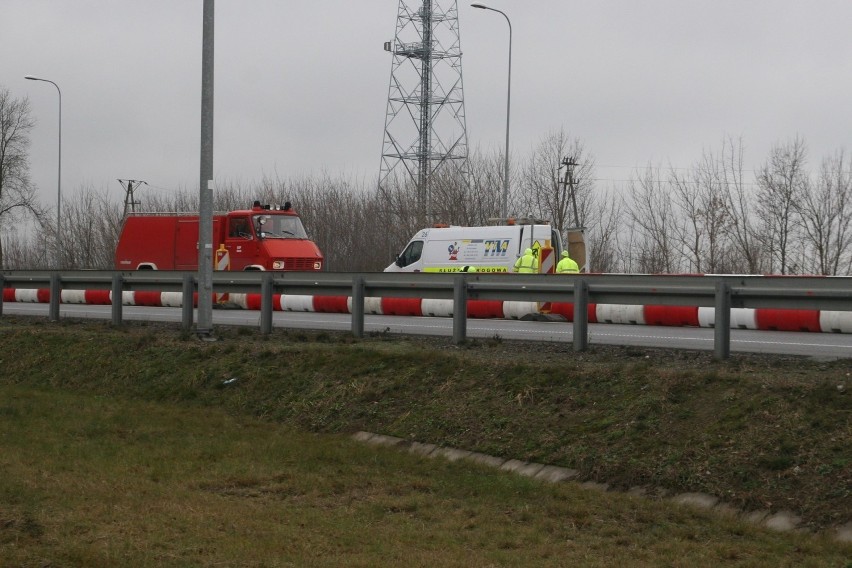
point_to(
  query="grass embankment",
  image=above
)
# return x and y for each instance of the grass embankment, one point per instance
(94, 476)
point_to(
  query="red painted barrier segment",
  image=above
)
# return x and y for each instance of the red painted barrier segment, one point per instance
(788, 320)
(331, 304)
(676, 316)
(566, 309)
(8, 294)
(253, 302)
(485, 309)
(43, 295)
(146, 298)
(98, 297)
(402, 307)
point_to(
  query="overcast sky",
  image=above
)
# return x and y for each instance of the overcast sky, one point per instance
(301, 85)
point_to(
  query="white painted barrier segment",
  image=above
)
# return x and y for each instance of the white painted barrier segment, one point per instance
(835, 322)
(28, 295)
(171, 299)
(741, 318)
(517, 310)
(297, 303)
(239, 300)
(706, 317)
(437, 308)
(128, 298)
(72, 296)
(372, 305)
(620, 313)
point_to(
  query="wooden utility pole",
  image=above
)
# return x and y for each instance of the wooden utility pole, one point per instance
(576, 238)
(129, 200)
(568, 184)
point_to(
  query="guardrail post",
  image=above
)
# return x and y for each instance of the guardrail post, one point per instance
(358, 306)
(117, 299)
(266, 303)
(2, 287)
(55, 293)
(187, 302)
(581, 315)
(459, 310)
(722, 322)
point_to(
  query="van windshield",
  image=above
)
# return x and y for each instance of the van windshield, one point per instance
(411, 254)
(279, 227)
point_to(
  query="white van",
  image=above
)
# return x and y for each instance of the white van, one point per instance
(490, 249)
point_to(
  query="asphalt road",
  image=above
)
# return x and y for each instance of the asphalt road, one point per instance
(818, 345)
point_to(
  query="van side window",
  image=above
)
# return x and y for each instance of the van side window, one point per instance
(411, 254)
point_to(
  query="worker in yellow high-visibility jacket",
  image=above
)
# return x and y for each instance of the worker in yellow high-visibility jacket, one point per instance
(527, 264)
(567, 265)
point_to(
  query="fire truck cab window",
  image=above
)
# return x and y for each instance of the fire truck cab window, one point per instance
(411, 254)
(279, 227)
(239, 228)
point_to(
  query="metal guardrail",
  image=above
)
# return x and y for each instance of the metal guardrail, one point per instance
(722, 292)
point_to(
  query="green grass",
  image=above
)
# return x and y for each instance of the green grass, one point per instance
(102, 481)
(766, 433)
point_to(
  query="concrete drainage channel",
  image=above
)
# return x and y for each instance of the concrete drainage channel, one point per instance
(780, 521)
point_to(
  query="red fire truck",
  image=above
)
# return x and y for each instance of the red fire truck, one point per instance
(261, 238)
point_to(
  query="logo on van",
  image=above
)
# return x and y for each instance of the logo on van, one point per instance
(496, 247)
(453, 249)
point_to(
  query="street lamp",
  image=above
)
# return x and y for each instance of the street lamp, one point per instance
(505, 204)
(59, 174)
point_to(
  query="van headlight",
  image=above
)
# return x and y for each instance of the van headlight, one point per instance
(318, 265)
(278, 265)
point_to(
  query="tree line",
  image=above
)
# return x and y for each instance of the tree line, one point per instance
(787, 216)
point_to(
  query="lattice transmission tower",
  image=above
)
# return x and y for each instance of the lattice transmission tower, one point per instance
(425, 128)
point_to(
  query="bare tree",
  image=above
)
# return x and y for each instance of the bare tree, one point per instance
(603, 224)
(781, 181)
(486, 188)
(543, 194)
(826, 217)
(747, 250)
(700, 195)
(653, 223)
(467, 198)
(91, 221)
(17, 193)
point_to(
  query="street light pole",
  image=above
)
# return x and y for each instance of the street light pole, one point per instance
(505, 204)
(204, 326)
(59, 174)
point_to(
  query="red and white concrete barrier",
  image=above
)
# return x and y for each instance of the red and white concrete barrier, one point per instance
(678, 316)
